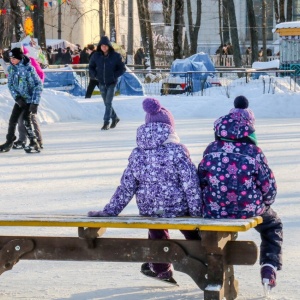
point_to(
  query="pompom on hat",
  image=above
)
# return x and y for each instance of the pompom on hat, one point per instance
(156, 113)
(16, 53)
(241, 108)
(241, 102)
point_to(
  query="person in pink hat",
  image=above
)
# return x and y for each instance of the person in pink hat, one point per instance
(21, 142)
(163, 179)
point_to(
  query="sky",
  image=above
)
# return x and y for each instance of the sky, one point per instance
(81, 166)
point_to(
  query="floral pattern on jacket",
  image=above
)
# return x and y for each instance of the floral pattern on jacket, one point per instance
(238, 124)
(235, 178)
(161, 175)
(24, 81)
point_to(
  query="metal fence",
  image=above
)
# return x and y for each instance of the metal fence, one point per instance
(223, 80)
(227, 60)
(164, 82)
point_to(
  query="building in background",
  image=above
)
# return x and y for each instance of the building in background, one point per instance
(209, 34)
(77, 21)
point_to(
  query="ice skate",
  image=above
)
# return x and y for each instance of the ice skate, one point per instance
(268, 278)
(166, 277)
(18, 145)
(6, 146)
(33, 147)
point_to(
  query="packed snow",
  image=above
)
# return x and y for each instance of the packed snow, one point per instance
(81, 166)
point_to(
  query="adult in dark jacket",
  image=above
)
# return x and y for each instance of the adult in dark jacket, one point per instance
(93, 80)
(84, 55)
(106, 65)
(67, 57)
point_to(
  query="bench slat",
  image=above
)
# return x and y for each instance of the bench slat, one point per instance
(125, 221)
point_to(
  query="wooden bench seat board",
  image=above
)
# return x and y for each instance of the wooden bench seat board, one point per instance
(185, 223)
(208, 262)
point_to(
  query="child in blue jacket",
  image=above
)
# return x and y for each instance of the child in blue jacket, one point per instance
(25, 87)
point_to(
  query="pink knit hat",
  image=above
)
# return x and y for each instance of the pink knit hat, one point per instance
(156, 113)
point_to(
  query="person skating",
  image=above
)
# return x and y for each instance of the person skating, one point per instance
(237, 183)
(21, 142)
(107, 66)
(163, 178)
(25, 87)
(93, 81)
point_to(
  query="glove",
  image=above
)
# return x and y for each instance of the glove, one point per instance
(33, 108)
(20, 101)
(98, 213)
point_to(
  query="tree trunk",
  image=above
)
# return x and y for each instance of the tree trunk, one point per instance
(178, 30)
(130, 32)
(146, 31)
(142, 19)
(101, 13)
(253, 31)
(186, 47)
(17, 20)
(167, 11)
(264, 28)
(234, 34)
(276, 12)
(281, 10)
(226, 36)
(289, 10)
(38, 21)
(220, 21)
(2, 26)
(59, 21)
(149, 35)
(193, 29)
(112, 22)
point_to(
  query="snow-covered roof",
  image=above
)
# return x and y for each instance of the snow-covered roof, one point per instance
(295, 24)
(273, 64)
(54, 43)
(286, 25)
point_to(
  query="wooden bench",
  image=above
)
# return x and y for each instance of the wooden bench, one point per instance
(208, 262)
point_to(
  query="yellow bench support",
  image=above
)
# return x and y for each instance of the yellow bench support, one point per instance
(208, 262)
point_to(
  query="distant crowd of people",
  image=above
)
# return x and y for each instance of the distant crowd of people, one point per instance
(227, 49)
(67, 56)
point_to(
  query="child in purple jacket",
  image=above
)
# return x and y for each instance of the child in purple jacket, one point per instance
(237, 183)
(163, 178)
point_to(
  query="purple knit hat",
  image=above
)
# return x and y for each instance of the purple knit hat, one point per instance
(241, 104)
(156, 113)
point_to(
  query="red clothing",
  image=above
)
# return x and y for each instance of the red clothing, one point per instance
(75, 59)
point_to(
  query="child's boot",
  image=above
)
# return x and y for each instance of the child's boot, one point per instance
(268, 277)
(33, 147)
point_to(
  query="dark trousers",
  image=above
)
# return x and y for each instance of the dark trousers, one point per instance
(22, 129)
(163, 234)
(92, 84)
(13, 121)
(271, 234)
(107, 93)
